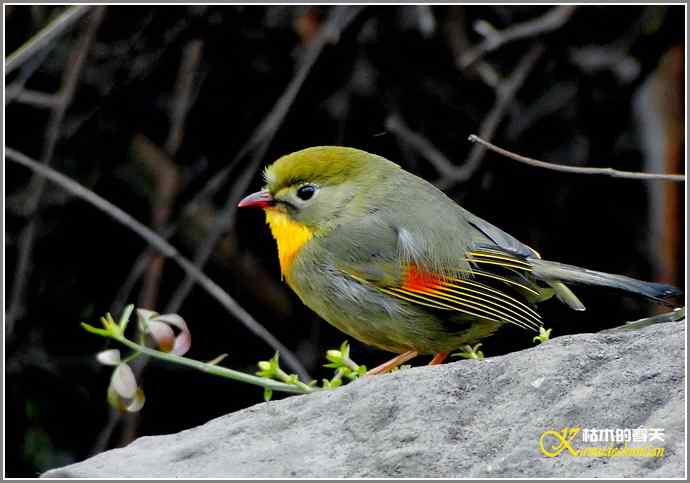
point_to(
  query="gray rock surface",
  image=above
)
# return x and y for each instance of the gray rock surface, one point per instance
(463, 419)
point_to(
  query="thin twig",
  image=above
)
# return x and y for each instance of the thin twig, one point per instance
(70, 80)
(28, 69)
(37, 99)
(186, 77)
(505, 93)
(166, 186)
(45, 36)
(551, 20)
(455, 29)
(396, 125)
(156, 241)
(451, 174)
(614, 173)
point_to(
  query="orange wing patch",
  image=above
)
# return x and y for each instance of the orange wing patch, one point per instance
(467, 296)
(417, 280)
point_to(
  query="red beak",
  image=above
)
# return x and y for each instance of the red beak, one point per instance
(260, 199)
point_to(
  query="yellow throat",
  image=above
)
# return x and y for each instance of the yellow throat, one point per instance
(290, 237)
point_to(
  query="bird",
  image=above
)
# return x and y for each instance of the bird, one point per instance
(392, 261)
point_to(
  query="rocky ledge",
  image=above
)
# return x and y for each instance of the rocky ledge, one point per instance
(473, 418)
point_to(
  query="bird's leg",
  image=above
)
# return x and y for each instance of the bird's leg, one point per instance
(393, 363)
(438, 358)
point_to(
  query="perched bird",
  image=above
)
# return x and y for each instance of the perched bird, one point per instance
(390, 260)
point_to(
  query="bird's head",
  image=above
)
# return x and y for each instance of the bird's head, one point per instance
(309, 192)
(321, 186)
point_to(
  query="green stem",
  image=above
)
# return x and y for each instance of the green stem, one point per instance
(216, 370)
(283, 376)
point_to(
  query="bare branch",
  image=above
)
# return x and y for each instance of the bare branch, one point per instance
(28, 69)
(166, 186)
(63, 99)
(504, 97)
(161, 245)
(551, 20)
(43, 38)
(167, 181)
(614, 173)
(189, 65)
(36, 98)
(451, 174)
(396, 125)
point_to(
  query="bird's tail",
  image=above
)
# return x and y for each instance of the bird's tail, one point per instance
(554, 272)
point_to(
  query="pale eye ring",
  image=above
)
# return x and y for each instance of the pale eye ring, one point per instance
(306, 192)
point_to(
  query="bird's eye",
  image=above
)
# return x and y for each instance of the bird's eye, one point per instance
(305, 192)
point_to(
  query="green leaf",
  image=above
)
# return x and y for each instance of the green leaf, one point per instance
(544, 335)
(345, 349)
(275, 361)
(268, 394)
(268, 369)
(335, 356)
(95, 330)
(471, 352)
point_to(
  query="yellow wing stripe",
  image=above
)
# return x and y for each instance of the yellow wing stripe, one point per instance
(513, 262)
(417, 297)
(502, 315)
(502, 312)
(526, 268)
(477, 306)
(490, 253)
(435, 305)
(500, 278)
(501, 297)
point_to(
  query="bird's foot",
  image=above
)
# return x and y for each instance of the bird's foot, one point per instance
(438, 358)
(393, 363)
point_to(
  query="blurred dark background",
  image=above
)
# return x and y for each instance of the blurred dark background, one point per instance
(153, 102)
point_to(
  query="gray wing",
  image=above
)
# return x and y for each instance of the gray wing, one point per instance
(500, 238)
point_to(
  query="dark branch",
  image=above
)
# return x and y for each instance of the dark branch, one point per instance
(614, 173)
(451, 174)
(44, 38)
(62, 101)
(551, 20)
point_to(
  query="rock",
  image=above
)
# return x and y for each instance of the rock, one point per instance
(473, 418)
